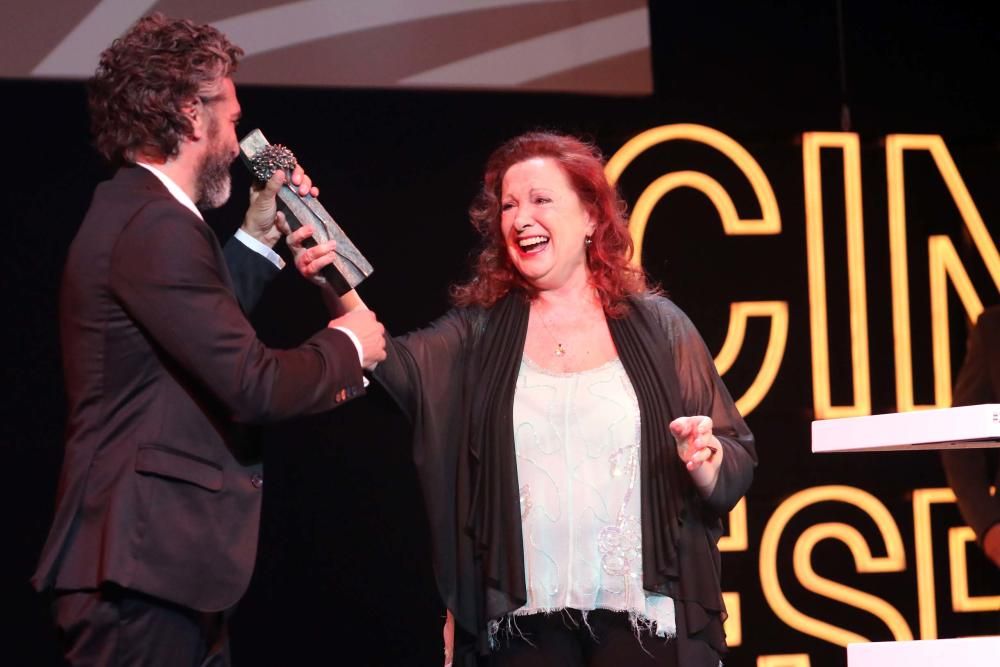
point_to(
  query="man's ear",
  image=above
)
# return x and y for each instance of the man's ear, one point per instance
(195, 113)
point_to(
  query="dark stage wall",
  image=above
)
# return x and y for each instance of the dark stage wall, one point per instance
(343, 566)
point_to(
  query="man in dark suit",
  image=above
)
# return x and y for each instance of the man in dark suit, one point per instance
(972, 471)
(156, 522)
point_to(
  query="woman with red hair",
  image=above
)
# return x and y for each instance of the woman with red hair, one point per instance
(576, 448)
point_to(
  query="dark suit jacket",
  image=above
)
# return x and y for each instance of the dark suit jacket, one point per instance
(971, 471)
(250, 273)
(158, 492)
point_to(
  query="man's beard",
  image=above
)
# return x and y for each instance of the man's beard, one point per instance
(214, 179)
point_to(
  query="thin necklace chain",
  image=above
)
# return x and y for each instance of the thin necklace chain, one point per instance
(560, 350)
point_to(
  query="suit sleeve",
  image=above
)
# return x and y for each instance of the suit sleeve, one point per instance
(165, 270)
(250, 272)
(968, 470)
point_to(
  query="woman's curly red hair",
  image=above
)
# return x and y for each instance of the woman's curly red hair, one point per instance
(144, 80)
(609, 253)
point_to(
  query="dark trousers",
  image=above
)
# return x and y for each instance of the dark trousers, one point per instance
(116, 627)
(563, 639)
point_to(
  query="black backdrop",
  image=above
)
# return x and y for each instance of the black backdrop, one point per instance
(343, 568)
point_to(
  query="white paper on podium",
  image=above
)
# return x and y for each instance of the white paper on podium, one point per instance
(972, 426)
(971, 651)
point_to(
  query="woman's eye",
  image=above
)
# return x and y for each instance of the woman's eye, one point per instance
(506, 206)
(542, 200)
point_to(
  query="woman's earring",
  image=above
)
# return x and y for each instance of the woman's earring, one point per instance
(587, 241)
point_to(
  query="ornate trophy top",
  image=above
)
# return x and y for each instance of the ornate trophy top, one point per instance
(269, 159)
(349, 266)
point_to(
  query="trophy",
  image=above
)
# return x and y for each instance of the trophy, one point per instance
(349, 267)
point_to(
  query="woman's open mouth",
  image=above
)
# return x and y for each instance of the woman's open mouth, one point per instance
(530, 245)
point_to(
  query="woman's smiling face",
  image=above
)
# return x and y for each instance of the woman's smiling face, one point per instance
(544, 223)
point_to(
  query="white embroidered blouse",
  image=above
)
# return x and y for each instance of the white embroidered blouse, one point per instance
(576, 440)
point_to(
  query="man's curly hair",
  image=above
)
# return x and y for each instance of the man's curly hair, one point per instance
(146, 77)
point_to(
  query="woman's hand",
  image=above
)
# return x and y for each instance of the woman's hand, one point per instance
(310, 261)
(991, 543)
(699, 449)
(449, 639)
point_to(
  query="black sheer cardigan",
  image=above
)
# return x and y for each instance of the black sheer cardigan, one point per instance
(455, 381)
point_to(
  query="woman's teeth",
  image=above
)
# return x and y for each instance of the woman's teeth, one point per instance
(532, 243)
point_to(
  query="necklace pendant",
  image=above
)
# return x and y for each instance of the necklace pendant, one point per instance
(560, 350)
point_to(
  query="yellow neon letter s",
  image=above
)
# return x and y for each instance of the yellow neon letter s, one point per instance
(864, 561)
(769, 222)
